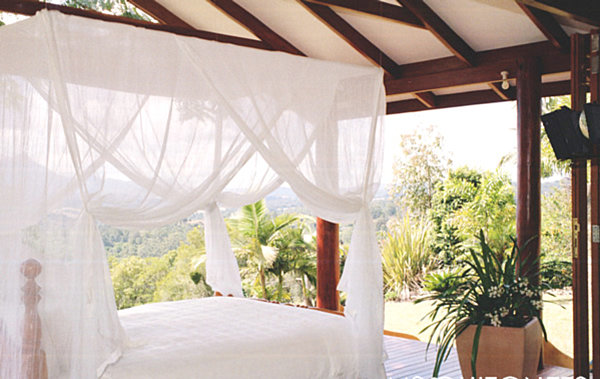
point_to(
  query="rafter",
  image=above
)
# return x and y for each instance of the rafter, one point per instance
(548, 25)
(160, 13)
(29, 8)
(255, 26)
(376, 8)
(353, 37)
(431, 75)
(471, 98)
(441, 30)
(586, 11)
(428, 99)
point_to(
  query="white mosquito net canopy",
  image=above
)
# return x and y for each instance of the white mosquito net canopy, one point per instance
(103, 122)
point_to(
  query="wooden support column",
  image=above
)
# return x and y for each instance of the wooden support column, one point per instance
(579, 222)
(595, 209)
(328, 264)
(529, 87)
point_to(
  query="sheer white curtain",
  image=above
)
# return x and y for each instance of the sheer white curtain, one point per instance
(134, 128)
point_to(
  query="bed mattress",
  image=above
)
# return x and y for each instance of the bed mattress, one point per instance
(224, 337)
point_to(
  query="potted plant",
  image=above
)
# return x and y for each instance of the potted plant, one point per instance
(492, 310)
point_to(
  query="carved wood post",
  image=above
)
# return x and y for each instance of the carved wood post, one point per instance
(33, 357)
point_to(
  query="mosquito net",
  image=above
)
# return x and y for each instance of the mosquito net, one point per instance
(103, 122)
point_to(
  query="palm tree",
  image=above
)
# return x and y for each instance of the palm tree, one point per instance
(296, 256)
(259, 231)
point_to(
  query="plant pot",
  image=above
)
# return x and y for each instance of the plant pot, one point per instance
(503, 351)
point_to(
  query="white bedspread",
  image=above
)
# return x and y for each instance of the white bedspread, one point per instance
(223, 337)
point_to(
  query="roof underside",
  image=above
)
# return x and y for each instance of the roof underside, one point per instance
(436, 53)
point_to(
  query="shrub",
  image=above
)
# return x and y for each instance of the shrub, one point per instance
(407, 257)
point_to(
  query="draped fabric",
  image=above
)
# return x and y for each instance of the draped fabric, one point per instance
(103, 122)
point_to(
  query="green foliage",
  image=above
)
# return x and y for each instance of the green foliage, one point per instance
(140, 280)
(135, 279)
(382, 210)
(116, 7)
(420, 167)
(468, 201)
(486, 292)
(407, 257)
(144, 243)
(259, 238)
(555, 244)
(297, 257)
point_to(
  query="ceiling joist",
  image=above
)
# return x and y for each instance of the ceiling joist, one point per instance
(548, 25)
(29, 8)
(586, 11)
(376, 8)
(441, 30)
(255, 26)
(427, 76)
(504, 94)
(428, 99)
(353, 37)
(160, 13)
(471, 98)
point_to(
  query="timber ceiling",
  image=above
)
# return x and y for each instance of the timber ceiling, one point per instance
(435, 53)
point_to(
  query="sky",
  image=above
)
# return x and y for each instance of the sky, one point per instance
(476, 135)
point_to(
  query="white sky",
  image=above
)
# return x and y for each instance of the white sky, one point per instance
(476, 136)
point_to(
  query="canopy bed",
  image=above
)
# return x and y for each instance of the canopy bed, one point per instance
(102, 122)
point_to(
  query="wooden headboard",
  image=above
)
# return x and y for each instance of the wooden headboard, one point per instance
(33, 356)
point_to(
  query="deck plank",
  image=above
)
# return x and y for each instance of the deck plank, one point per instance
(407, 360)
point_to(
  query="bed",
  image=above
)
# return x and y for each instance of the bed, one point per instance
(227, 337)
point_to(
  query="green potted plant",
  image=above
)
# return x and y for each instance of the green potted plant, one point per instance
(492, 310)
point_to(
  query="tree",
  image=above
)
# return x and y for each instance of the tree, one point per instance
(141, 280)
(555, 241)
(294, 256)
(421, 165)
(181, 281)
(466, 202)
(116, 7)
(258, 231)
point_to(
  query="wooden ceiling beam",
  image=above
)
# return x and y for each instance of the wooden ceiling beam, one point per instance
(160, 13)
(426, 98)
(471, 98)
(491, 64)
(376, 8)
(504, 94)
(441, 30)
(586, 11)
(353, 37)
(255, 26)
(548, 25)
(29, 8)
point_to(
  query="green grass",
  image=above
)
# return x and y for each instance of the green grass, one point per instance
(406, 317)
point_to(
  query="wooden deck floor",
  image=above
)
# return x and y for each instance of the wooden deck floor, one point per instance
(407, 360)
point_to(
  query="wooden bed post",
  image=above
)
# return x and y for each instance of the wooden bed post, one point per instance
(33, 356)
(328, 264)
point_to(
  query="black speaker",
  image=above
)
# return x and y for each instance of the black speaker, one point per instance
(566, 138)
